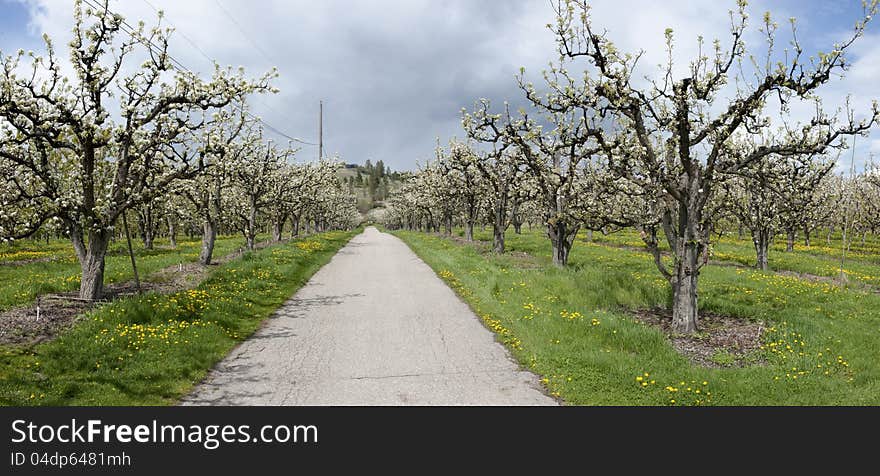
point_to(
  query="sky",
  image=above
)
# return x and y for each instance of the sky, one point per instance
(394, 75)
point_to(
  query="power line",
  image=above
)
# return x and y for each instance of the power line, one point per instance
(130, 30)
(255, 44)
(241, 30)
(182, 34)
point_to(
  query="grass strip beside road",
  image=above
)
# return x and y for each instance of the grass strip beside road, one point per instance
(573, 326)
(151, 349)
(30, 269)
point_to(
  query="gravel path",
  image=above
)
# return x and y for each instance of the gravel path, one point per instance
(375, 326)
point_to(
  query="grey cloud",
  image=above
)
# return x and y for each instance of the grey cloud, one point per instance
(395, 74)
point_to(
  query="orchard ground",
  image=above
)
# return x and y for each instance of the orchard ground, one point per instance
(583, 328)
(32, 268)
(151, 349)
(590, 330)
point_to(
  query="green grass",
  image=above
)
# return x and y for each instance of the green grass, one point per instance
(150, 350)
(572, 327)
(58, 269)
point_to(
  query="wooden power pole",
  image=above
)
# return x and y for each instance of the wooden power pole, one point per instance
(321, 130)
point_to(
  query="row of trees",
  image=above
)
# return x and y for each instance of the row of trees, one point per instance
(121, 130)
(672, 156)
(792, 199)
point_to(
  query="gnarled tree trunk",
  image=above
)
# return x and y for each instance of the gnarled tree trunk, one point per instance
(172, 232)
(91, 257)
(561, 239)
(469, 230)
(209, 237)
(684, 289)
(761, 240)
(278, 228)
(250, 233)
(791, 235)
(294, 222)
(148, 238)
(499, 226)
(497, 239)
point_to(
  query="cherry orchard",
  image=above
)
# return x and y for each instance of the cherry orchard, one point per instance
(606, 148)
(127, 132)
(73, 160)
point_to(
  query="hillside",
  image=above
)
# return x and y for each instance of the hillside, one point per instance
(371, 183)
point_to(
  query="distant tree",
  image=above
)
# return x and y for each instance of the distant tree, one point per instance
(256, 171)
(205, 191)
(459, 165)
(562, 162)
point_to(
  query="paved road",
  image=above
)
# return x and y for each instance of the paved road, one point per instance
(375, 326)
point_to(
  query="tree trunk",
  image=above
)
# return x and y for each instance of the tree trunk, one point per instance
(807, 233)
(790, 237)
(499, 226)
(172, 233)
(497, 239)
(278, 229)
(294, 232)
(92, 256)
(684, 291)
(147, 226)
(447, 223)
(761, 239)
(209, 236)
(251, 232)
(590, 236)
(469, 230)
(516, 217)
(148, 238)
(561, 239)
(687, 243)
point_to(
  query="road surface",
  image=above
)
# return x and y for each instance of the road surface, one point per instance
(375, 326)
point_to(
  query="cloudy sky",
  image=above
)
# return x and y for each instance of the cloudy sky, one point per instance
(394, 75)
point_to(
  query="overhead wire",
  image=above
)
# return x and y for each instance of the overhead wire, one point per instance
(235, 22)
(256, 46)
(130, 30)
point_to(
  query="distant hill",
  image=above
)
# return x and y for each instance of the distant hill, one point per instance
(372, 183)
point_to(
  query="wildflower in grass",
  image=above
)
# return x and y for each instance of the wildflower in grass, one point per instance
(310, 245)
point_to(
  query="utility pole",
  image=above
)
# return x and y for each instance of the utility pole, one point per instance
(321, 130)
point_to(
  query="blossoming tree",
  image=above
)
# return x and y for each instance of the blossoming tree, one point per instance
(84, 149)
(680, 125)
